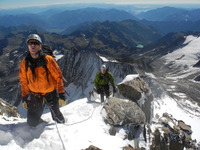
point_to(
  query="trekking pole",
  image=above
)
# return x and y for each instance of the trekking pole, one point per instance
(66, 93)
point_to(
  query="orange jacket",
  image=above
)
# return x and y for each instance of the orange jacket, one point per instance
(40, 84)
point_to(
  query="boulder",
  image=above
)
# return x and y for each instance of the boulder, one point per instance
(133, 89)
(122, 112)
(137, 90)
(91, 147)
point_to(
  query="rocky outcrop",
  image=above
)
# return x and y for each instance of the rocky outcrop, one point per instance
(123, 112)
(137, 91)
(133, 89)
(8, 110)
(127, 112)
(91, 147)
(197, 78)
(171, 134)
(197, 64)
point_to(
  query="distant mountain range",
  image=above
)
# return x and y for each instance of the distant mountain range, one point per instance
(4, 30)
(169, 19)
(59, 21)
(113, 38)
(109, 32)
(68, 18)
(173, 26)
(170, 14)
(165, 19)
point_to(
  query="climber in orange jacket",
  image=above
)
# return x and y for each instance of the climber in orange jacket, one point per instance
(41, 83)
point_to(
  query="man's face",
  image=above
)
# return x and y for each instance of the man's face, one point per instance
(34, 46)
(103, 71)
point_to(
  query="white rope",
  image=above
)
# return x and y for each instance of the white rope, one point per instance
(81, 120)
(63, 145)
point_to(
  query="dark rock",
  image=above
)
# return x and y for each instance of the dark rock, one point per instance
(121, 112)
(197, 78)
(112, 131)
(91, 147)
(172, 134)
(197, 64)
(185, 127)
(8, 110)
(133, 89)
(137, 91)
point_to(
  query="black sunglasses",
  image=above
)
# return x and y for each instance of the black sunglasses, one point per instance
(34, 43)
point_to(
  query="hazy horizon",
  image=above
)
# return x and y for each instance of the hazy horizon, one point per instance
(11, 4)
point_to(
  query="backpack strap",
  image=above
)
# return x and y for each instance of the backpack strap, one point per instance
(29, 63)
(106, 75)
(45, 67)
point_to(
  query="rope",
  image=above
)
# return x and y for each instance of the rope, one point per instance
(63, 145)
(81, 120)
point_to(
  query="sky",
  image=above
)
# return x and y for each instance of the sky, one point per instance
(5, 4)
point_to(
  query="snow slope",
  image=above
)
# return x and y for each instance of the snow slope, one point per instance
(181, 106)
(189, 116)
(84, 127)
(183, 58)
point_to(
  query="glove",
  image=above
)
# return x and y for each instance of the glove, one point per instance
(61, 102)
(114, 90)
(61, 99)
(24, 102)
(99, 91)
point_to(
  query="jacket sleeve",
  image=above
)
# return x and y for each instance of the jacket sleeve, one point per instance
(23, 79)
(56, 73)
(111, 78)
(96, 79)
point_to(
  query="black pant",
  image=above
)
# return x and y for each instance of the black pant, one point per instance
(36, 107)
(104, 90)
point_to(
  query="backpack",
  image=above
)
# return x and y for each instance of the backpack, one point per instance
(46, 49)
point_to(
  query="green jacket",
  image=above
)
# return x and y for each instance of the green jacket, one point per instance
(103, 79)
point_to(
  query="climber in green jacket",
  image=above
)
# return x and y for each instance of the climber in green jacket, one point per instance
(101, 82)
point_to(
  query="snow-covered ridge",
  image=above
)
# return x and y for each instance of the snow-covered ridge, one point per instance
(129, 78)
(85, 126)
(176, 92)
(182, 60)
(187, 55)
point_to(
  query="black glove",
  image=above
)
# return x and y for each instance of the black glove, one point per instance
(114, 90)
(99, 91)
(61, 96)
(24, 99)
